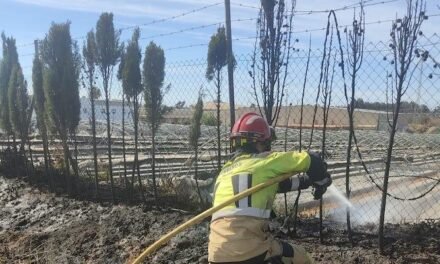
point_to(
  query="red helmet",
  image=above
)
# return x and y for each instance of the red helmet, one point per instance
(251, 127)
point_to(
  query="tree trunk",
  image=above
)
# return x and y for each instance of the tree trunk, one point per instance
(135, 143)
(219, 154)
(75, 165)
(23, 138)
(286, 210)
(70, 162)
(141, 188)
(135, 146)
(32, 158)
(46, 158)
(135, 161)
(295, 216)
(136, 155)
(321, 235)
(196, 174)
(14, 142)
(66, 163)
(51, 169)
(350, 141)
(123, 142)
(327, 103)
(347, 180)
(109, 143)
(153, 161)
(95, 153)
(9, 144)
(387, 170)
(23, 156)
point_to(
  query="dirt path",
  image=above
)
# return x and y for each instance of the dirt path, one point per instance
(39, 227)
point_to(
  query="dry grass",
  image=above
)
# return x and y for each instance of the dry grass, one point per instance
(427, 125)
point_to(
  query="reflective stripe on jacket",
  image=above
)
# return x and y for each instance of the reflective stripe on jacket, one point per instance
(248, 170)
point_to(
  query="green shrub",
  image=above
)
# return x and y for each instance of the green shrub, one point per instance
(209, 119)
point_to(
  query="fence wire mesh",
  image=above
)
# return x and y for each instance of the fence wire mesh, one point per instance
(412, 194)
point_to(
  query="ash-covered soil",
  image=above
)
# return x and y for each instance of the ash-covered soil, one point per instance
(40, 227)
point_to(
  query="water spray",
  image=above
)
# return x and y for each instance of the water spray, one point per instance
(338, 194)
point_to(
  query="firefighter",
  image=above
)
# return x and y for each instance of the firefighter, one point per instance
(239, 233)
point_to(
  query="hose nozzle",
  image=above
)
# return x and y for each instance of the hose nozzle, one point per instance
(318, 191)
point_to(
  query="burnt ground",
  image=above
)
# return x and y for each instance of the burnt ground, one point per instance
(40, 227)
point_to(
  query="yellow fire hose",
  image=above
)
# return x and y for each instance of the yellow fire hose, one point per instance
(198, 218)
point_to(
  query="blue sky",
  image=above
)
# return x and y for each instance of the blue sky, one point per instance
(27, 20)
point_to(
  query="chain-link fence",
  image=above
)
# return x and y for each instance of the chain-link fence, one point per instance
(414, 170)
(412, 194)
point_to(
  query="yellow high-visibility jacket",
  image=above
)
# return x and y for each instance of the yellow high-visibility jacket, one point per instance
(247, 170)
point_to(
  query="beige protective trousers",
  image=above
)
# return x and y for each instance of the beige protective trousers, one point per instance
(236, 239)
(300, 255)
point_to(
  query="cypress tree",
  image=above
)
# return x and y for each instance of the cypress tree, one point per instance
(153, 76)
(124, 156)
(108, 55)
(61, 87)
(132, 85)
(39, 101)
(217, 60)
(194, 135)
(90, 56)
(18, 102)
(10, 59)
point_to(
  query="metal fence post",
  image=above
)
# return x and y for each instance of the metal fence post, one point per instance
(230, 62)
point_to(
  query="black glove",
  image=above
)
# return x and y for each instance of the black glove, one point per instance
(318, 168)
(320, 187)
(319, 177)
(286, 185)
(304, 182)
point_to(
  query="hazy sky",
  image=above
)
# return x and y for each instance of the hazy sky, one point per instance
(27, 20)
